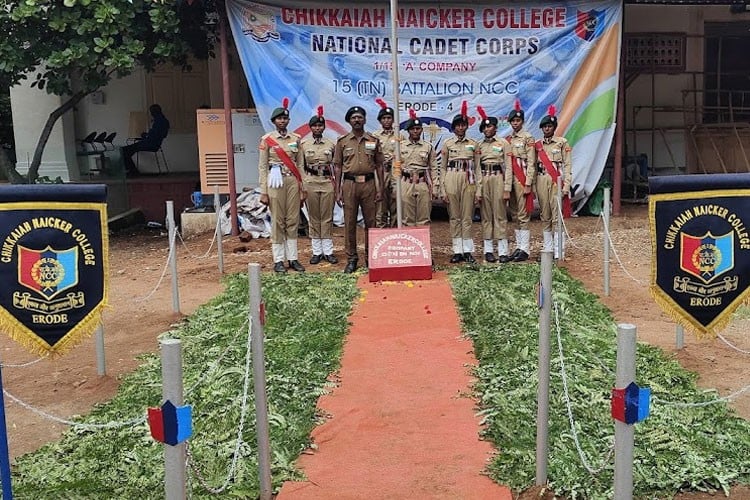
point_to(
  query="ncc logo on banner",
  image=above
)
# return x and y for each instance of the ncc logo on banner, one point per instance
(700, 247)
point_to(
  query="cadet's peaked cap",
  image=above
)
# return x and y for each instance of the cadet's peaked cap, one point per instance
(459, 119)
(317, 118)
(387, 111)
(490, 120)
(547, 119)
(413, 122)
(279, 112)
(354, 110)
(516, 112)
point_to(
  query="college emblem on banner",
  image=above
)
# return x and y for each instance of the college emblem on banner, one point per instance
(587, 24)
(700, 247)
(53, 264)
(48, 272)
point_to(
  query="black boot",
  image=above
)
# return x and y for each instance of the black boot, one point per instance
(457, 257)
(315, 259)
(294, 264)
(490, 257)
(351, 266)
(331, 258)
(279, 267)
(503, 259)
(522, 256)
(469, 258)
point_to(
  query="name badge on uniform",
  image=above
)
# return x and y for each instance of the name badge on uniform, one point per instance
(370, 145)
(497, 149)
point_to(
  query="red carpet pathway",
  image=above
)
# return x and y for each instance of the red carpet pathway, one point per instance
(400, 424)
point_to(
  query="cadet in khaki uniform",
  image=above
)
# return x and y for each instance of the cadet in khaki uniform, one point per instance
(386, 216)
(557, 150)
(460, 186)
(317, 154)
(523, 158)
(493, 157)
(419, 168)
(358, 158)
(281, 188)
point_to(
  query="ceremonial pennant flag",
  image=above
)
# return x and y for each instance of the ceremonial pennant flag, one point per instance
(53, 263)
(700, 267)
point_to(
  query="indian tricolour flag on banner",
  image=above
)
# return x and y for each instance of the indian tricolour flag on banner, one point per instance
(338, 54)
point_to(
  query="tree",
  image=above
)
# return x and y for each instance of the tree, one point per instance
(71, 48)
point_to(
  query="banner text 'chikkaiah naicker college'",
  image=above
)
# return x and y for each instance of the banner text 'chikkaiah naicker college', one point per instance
(339, 54)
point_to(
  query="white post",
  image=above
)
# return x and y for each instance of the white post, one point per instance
(680, 337)
(174, 456)
(259, 382)
(219, 243)
(606, 241)
(542, 410)
(101, 369)
(396, 119)
(560, 232)
(624, 433)
(173, 253)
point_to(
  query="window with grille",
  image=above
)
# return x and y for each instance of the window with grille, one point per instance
(655, 52)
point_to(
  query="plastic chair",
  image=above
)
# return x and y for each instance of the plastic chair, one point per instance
(108, 141)
(156, 158)
(99, 139)
(88, 142)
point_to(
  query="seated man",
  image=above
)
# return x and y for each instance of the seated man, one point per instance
(149, 141)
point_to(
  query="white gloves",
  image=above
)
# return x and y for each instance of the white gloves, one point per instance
(275, 179)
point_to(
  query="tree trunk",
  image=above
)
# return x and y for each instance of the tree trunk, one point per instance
(44, 137)
(9, 169)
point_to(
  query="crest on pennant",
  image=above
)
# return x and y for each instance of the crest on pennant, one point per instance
(48, 272)
(706, 257)
(700, 233)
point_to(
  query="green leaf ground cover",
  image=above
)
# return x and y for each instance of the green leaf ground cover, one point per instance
(677, 447)
(306, 322)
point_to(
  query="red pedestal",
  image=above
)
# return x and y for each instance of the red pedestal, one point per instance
(400, 254)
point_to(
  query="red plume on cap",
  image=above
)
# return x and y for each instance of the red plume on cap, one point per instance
(381, 103)
(412, 114)
(464, 109)
(481, 112)
(285, 103)
(551, 110)
(320, 111)
(517, 105)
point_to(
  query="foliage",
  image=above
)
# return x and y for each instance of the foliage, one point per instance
(678, 447)
(71, 48)
(304, 337)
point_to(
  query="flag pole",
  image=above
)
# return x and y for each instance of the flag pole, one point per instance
(4, 455)
(396, 168)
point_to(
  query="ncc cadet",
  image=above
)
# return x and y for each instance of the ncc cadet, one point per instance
(553, 160)
(317, 154)
(417, 175)
(358, 159)
(459, 186)
(523, 164)
(493, 157)
(386, 216)
(281, 188)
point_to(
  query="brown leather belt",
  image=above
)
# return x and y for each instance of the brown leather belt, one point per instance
(359, 178)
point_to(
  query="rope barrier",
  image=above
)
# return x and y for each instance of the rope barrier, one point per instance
(240, 430)
(164, 271)
(23, 365)
(72, 423)
(614, 250)
(569, 407)
(743, 351)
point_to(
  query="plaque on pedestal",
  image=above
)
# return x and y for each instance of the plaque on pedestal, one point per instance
(400, 254)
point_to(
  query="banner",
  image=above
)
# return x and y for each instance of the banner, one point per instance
(338, 54)
(700, 240)
(53, 263)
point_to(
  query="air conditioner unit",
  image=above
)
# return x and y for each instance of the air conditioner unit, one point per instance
(212, 149)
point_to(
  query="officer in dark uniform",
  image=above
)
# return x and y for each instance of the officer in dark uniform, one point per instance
(358, 159)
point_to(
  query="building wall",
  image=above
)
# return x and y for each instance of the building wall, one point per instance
(663, 134)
